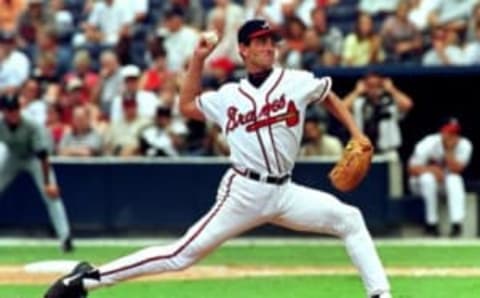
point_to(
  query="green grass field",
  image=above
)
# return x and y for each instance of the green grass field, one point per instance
(404, 256)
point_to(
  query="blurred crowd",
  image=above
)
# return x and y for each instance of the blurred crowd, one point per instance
(103, 76)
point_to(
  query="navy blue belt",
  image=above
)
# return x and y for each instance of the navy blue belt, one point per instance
(267, 179)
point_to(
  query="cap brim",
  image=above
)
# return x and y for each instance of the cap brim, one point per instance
(266, 32)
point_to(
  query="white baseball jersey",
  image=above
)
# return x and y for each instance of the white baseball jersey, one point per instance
(264, 125)
(430, 149)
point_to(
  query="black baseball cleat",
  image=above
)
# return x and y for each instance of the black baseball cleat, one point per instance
(384, 295)
(67, 245)
(71, 285)
(456, 230)
(432, 230)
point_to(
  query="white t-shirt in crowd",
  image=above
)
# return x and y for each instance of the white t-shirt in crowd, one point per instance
(147, 104)
(36, 111)
(180, 46)
(14, 70)
(109, 19)
(454, 54)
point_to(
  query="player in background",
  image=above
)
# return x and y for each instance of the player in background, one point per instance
(262, 117)
(27, 150)
(436, 167)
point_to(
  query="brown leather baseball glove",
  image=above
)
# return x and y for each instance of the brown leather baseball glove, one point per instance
(353, 166)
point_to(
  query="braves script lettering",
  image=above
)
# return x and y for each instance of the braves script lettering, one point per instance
(264, 118)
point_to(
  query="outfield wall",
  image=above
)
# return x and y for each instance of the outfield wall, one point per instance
(109, 197)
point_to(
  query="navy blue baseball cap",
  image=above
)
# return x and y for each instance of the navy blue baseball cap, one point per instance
(256, 28)
(9, 102)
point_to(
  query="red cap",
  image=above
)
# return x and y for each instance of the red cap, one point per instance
(223, 63)
(451, 126)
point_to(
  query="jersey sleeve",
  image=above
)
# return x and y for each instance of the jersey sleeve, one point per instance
(420, 154)
(464, 152)
(317, 88)
(211, 105)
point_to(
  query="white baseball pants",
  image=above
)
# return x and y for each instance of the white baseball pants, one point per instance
(242, 204)
(427, 186)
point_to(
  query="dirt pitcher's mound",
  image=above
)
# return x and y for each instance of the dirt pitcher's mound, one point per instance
(17, 275)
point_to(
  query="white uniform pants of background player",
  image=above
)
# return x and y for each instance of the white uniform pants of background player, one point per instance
(242, 204)
(426, 186)
(11, 166)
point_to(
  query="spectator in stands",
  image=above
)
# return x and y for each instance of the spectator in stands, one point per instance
(445, 49)
(61, 20)
(74, 97)
(82, 140)
(83, 70)
(288, 9)
(40, 13)
(378, 106)
(472, 23)
(451, 14)
(47, 41)
(419, 13)
(227, 45)
(179, 39)
(313, 52)
(146, 100)
(264, 9)
(164, 137)
(219, 72)
(106, 24)
(294, 35)
(134, 12)
(375, 7)
(401, 39)
(45, 73)
(10, 11)
(130, 46)
(154, 77)
(14, 65)
(55, 126)
(122, 139)
(472, 48)
(317, 142)
(193, 11)
(71, 97)
(31, 19)
(436, 167)
(110, 83)
(31, 103)
(234, 15)
(363, 46)
(330, 37)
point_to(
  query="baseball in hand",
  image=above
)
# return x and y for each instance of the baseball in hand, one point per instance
(210, 37)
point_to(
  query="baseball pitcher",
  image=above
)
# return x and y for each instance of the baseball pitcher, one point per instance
(262, 117)
(27, 150)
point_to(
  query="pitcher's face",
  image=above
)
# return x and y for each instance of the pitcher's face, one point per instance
(259, 53)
